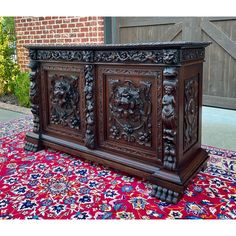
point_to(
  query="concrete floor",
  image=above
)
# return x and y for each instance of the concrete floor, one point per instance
(218, 126)
(6, 115)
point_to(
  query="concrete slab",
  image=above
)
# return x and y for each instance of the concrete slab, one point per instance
(6, 115)
(219, 128)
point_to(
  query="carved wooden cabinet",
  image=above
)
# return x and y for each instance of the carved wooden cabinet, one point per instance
(133, 107)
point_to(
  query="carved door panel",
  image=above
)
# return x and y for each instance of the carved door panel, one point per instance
(129, 111)
(63, 100)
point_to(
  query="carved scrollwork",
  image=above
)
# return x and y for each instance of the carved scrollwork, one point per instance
(169, 117)
(129, 56)
(32, 54)
(90, 109)
(34, 94)
(130, 109)
(155, 56)
(192, 54)
(64, 97)
(191, 107)
(65, 55)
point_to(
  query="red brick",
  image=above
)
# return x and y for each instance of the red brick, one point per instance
(83, 18)
(83, 40)
(84, 29)
(44, 22)
(80, 24)
(52, 41)
(80, 35)
(66, 30)
(51, 22)
(68, 40)
(90, 23)
(74, 20)
(63, 25)
(58, 29)
(45, 41)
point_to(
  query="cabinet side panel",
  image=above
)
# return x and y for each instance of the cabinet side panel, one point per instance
(190, 112)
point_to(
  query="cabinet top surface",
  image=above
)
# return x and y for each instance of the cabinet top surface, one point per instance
(154, 45)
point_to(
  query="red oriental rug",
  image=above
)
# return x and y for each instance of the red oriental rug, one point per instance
(54, 185)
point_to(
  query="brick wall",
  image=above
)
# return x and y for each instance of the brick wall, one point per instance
(56, 30)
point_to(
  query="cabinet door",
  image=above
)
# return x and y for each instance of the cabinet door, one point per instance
(63, 100)
(129, 111)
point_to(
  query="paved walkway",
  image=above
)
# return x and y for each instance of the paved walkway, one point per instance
(218, 125)
(219, 128)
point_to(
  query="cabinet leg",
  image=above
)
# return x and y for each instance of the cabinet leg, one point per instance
(165, 194)
(32, 147)
(204, 166)
(33, 143)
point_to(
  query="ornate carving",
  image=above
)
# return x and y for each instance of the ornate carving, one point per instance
(64, 97)
(191, 107)
(169, 117)
(155, 56)
(31, 147)
(123, 72)
(65, 55)
(90, 110)
(34, 94)
(130, 109)
(32, 54)
(170, 56)
(126, 56)
(165, 194)
(192, 54)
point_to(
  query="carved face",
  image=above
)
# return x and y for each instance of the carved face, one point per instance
(169, 57)
(168, 89)
(63, 94)
(60, 89)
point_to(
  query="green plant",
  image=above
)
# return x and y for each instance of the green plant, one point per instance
(21, 88)
(8, 66)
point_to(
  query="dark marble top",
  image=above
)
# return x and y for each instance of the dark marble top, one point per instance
(154, 45)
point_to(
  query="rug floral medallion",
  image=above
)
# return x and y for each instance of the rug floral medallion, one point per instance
(54, 185)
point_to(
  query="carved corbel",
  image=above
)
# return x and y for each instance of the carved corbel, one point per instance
(169, 117)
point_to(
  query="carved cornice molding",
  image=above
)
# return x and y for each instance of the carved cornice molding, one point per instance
(155, 56)
(192, 54)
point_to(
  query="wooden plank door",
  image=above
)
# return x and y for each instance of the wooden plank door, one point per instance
(219, 85)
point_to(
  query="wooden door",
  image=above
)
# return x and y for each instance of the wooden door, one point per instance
(129, 111)
(63, 101)
(219, 85)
